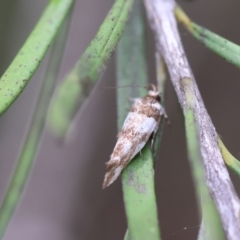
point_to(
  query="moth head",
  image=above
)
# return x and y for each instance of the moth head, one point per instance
(154, 94)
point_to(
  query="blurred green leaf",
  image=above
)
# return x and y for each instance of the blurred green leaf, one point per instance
(31, 144)
(31, 54)
(78, 84)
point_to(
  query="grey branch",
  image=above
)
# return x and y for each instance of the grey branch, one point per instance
(168, 43)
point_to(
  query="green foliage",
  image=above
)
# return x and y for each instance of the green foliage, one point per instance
(32, 141)
(78, 84)
(138, 177)
(20, 71)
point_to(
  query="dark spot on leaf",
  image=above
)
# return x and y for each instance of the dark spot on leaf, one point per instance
(86, 85)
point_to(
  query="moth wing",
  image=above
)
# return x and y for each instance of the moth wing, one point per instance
(146, 129)
(135, 133)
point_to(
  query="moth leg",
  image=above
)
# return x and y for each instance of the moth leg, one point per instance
(163, 112)
(152, 138)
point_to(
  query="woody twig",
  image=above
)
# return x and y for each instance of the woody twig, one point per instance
(168, 43)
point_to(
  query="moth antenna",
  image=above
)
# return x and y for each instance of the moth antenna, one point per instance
(116, 87)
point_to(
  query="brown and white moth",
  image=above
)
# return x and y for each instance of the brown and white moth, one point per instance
(140, 125)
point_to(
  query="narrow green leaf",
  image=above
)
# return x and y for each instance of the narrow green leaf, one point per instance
(221, 46)
(80, 81)
(31, 144)
(229, 159)
(31, 54)
(212, 225)
(138, 176)
(139, 197)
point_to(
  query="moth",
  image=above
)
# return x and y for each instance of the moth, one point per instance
(140, 125)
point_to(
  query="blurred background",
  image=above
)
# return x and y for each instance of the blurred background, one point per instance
(64, 197)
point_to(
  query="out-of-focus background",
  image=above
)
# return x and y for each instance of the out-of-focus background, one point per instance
(64, 197)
